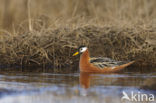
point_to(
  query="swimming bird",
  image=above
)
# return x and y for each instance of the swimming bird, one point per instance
(100, 64)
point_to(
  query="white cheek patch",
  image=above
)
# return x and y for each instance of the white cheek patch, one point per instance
(84, 49)
(113, 67)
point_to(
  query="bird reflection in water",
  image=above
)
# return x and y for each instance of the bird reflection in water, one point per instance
(84, 80)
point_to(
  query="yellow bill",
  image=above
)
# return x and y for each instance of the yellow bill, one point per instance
(76, 53)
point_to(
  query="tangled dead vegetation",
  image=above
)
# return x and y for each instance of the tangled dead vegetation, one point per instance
(54, 47)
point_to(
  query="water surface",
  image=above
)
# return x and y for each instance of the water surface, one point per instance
(19, 87)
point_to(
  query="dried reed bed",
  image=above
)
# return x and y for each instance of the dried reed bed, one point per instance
(46, 33)
(56, 46)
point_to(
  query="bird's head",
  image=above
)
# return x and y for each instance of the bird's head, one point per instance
(80, 50)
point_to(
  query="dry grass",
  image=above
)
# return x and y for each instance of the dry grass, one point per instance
(45, 33)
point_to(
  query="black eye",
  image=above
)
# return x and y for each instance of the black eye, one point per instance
(81, 49)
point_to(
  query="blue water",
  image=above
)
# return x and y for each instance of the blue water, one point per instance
(17, 87)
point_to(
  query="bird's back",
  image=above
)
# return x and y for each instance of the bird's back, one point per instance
(105, 62)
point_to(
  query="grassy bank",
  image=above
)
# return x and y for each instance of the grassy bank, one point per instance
(55, 47)
(46, 34)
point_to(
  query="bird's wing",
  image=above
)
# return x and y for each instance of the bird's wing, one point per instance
(105, 62)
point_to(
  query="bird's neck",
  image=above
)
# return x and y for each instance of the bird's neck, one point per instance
(84, 59)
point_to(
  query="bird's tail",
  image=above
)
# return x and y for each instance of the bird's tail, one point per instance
(118, 68)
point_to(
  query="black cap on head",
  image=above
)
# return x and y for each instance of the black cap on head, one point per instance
(81, 47)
